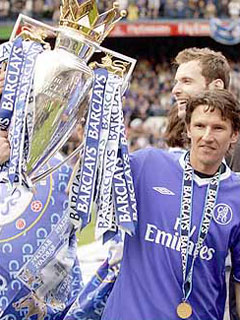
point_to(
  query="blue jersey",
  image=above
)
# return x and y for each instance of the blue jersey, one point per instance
(27, 220)
(149, 286)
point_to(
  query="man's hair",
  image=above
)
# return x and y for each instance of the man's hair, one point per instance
(214, 65)
(175, 133)
(221, 99)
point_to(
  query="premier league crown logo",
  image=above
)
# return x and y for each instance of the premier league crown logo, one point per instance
(84, 17)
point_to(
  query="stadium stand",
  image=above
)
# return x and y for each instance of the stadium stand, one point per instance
(141, 9)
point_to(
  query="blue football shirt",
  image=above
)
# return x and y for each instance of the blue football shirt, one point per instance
(149, 286)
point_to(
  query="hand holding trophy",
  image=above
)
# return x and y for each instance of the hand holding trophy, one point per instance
(45, 93)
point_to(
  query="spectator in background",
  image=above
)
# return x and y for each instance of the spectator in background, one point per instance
(234, 9)
(169, 9)
(56, 10)
(153, 7)
(210, 10)
(223, 8)
(235, 78)
(4, 8)
(123, 4)
(180, 9)
(191, 9)
(142, 6)
(37, 7)
(201, 8)
(16, 7)
(133, 12)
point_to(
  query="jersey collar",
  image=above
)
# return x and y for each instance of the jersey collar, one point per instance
(204, 181)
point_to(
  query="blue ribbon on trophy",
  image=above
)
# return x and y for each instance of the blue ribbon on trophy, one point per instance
(112, 83)
(18, 142)
(225, 31)
(105, 159)
(80, 205)
(12, 81)
(104, 210)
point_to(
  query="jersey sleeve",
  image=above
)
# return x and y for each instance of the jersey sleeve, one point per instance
(235, 253)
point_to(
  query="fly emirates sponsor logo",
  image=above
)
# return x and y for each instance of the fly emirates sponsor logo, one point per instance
(172, 240)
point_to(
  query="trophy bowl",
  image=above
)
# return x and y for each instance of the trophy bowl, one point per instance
(62, 82)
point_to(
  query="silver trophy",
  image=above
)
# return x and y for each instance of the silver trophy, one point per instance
(62, 78)
(62, 83)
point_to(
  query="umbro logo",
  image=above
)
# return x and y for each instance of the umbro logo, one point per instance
(163, 190)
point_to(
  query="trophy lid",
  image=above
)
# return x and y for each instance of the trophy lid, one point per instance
(84, 17)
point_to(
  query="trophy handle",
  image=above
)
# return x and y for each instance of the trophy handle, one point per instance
(43, 175)
(33, 26)
(115, 62)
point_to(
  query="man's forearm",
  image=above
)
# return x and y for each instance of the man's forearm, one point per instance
(2, 76)
(237, 290)
(4, 147)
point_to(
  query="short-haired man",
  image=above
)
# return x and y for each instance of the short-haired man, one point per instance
(188, 220)
(198, 70)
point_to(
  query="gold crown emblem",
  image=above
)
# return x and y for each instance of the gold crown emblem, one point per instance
(84, 16)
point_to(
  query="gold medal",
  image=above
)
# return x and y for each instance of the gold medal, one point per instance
(184, 310)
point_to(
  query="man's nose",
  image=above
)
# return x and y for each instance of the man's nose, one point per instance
(207, 135)
(176, 89)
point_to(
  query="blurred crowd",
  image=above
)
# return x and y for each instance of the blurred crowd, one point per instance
(147, 102)
(137, 9)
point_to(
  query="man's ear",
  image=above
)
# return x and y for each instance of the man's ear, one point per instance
(216, 84)
(235, 137)
(188, 131)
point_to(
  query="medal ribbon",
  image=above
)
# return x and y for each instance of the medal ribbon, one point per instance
(185, 221)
